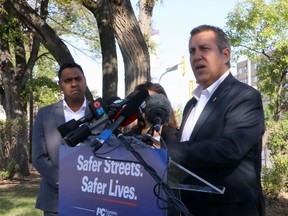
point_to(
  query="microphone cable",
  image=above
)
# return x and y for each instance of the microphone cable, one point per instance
(159, 188)
(162, 185)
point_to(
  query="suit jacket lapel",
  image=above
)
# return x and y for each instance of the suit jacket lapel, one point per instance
(190, 105)
(214, 100)
(59, 113)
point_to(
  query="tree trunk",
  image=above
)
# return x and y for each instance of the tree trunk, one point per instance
(11, 86)
(16, 109)
(101, 12)
(145, 17)
(13, 156)
(281, 105)
(132, 44)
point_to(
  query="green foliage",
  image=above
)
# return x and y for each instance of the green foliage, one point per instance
(1, 7)
(45, 65)
(257, 25)
(9, 29)
(272, 76)
(94, 94)
(81, 34)
(9, 171)
(258, 30)
(43, 90)
(278, 137)
(275, 178)
(76, 26)
(12, 30)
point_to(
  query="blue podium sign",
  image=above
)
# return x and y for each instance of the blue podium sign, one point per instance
(89, 185)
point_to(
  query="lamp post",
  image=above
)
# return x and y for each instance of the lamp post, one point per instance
(175, 67)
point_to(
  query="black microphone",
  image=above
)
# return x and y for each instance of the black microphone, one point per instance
(157, 110)
(126, 115)
(69, 126)
(116, 104)
(113, 99)
(98, 109)
(85, 130)
(116, 108)
(76, 136)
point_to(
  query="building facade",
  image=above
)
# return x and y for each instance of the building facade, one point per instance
(246, 72)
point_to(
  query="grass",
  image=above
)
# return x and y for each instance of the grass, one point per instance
(18, 196)
(18, 201)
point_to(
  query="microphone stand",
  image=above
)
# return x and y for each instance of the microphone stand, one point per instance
(148, 137)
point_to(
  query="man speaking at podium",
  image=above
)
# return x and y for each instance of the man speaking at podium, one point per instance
(221, 132)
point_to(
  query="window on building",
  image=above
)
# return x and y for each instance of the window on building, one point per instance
(240, 71)
(255, 66)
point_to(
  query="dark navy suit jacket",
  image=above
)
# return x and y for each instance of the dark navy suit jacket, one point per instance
(225, 145)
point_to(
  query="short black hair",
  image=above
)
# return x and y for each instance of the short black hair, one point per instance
(69, 65)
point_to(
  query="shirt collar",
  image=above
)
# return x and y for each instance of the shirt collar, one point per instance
(83, 107)
(210, 90)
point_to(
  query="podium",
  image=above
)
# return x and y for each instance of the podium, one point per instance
(113, 182)
(112, 185)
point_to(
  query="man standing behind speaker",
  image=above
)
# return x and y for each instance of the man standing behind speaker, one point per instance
(47, 139)
(221, 132)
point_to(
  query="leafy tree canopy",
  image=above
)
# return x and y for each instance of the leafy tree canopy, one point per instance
(258, 29)
(75, 25)
(258, 26)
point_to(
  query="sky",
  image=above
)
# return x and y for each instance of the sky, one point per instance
(174, 20)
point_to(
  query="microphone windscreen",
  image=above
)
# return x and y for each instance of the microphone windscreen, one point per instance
(158, 105)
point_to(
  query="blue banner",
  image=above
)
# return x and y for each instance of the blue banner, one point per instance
(89, 185)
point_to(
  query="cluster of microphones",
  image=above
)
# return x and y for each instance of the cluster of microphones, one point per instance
(115, 113)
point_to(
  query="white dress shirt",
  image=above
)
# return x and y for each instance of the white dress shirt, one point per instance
(202, 96)
(70, 114)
